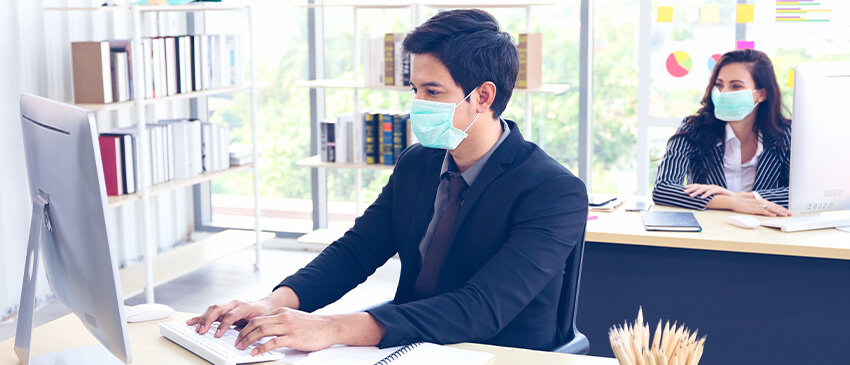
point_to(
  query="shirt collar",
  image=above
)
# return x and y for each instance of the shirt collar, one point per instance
(730, 135)
(473, 171)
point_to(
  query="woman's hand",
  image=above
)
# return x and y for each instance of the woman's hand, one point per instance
(759, 206)
(706, 190)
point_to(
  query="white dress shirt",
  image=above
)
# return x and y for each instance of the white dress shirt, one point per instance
(739, 176)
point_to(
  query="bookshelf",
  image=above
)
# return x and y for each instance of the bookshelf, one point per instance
(323, 235)
(142, 277)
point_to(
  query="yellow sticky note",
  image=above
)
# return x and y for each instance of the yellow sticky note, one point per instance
(745, 13)
(791, 78)
(665, 14)
(709, 13)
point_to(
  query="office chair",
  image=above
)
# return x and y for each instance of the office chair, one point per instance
(574, 341)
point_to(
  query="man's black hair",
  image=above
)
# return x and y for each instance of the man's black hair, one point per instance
(469, 43)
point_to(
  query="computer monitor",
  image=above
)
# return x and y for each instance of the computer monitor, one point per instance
(69, 225)
(820, 138)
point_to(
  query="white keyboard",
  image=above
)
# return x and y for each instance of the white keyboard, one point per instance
(807, 222)
(219, 351)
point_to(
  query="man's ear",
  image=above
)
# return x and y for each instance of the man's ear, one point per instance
(486, 94)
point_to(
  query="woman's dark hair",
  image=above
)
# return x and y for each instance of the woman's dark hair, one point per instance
(469, 43)
(705, 131)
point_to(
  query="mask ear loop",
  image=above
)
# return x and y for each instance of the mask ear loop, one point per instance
(473, 122)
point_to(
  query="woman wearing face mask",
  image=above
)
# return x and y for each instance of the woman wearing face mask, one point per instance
(733, 153)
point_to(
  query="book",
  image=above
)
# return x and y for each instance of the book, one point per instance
(342, 135)
(159, 78)
(399, 134)
(327, 140)
(389, 59)
(110, 156)
(530, 48)
(171, 65)
(670, 221)
(370, 131)
(196, 63)
(125, 46)
(385, 139)
(184, 64)
(129, 164)
(398, 59)
(120, 76)
(149, 67)
(376, 58)
(91, 72)
(415, 353)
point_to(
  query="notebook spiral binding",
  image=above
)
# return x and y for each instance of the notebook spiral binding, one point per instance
(397, 353)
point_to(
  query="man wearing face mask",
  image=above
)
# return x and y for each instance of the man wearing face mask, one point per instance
(734, 153)
(482, 220)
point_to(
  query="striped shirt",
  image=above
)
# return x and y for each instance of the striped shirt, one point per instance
(771, 180)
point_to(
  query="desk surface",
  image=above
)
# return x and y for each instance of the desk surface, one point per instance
(149, 347)
(627, 228)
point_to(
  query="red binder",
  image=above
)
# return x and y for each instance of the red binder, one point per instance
(110, 155)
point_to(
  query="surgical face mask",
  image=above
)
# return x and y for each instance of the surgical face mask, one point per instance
(431, 122)
(732, 106)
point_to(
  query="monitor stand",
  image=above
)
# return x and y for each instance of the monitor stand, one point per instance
(41, 233)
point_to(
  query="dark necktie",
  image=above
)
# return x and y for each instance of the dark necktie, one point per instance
(426, 282)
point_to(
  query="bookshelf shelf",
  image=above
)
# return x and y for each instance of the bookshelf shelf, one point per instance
(554, 89)
(316, 161)
(183, 96)
(119, 200)
(154, 8)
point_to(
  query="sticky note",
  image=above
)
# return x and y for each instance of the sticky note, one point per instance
(745, 13)
(791, 78)
(746, 45)
(665, 14)
(709, 13)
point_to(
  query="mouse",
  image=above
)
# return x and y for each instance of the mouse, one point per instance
(743, 221)
(147, 312)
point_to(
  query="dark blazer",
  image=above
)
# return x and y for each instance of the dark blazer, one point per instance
(681, 158)
(501, 279)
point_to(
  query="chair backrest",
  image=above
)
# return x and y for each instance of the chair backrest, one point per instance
(568, 302)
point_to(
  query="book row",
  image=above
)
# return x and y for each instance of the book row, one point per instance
(376, 138)
(385, 63)
(102, 70)
(179, 149)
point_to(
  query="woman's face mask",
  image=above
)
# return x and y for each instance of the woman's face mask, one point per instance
(732, 106)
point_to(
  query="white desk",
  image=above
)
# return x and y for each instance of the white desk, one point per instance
(761, 296)
(148, 347)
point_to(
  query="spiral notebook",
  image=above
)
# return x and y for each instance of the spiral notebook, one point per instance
(416, 353)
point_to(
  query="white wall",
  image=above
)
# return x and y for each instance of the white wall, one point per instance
(35, 48)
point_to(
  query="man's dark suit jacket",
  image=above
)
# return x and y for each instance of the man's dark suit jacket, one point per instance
(501, 280)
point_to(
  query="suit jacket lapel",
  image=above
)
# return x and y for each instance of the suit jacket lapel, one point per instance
(504, 155)
(765, 177)
(718, 164)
